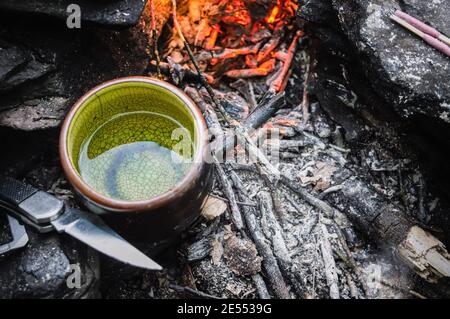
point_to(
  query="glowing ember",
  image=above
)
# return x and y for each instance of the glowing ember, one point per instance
(273, 14)
(213, 37)
(239, 39)
(236, 13)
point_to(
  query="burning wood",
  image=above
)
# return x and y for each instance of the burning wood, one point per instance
(268, 48)
(235, 38)
(280, 82)
(213, 37)
(263, 70)
(233, 53)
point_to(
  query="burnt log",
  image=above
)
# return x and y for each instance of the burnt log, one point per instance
(389, 226)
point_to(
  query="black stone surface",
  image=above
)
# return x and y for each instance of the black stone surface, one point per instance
(401, 68)
(107, 13)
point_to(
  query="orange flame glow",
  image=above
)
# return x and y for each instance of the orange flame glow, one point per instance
(273, 15)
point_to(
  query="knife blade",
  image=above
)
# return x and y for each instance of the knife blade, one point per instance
(46, 213)
(92, 231)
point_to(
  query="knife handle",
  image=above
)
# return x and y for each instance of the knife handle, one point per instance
(33, 206)
(14, 192)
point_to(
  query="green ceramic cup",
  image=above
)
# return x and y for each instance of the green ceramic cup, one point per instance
(141, 195)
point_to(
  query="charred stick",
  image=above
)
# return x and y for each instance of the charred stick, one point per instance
(250, 61)
(270, 263)
(274, 195)
(273, 76)
(285, 81)
(329, 264)
(169, 68)
(214, 126)
(228, 190)
(246, 73)
(279, 245)
(267, 49)
(328, 210)
(280, 56)
(261, 287)
(305, 101)
(252, 98)
(264, 111)
(210, 116)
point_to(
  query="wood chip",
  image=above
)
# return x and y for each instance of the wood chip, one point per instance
(319, 174)
(213, 208)
(217, 252)
(241, 256)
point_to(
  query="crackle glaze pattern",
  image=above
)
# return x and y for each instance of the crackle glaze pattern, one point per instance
(121, 141)
(123, 98)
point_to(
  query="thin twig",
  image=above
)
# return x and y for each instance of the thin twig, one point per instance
(305, 101)
(270, 263)
(261, 287)
(237, 202)
(227, 188)
(280, 249)
(155, 39)
(329, 264)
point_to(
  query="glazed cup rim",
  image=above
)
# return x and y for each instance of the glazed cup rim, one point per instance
(115, 205)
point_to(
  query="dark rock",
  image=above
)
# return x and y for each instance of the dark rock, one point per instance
(40, 270)
(318, 12)
(337, 99)
(5, 232)
(18, 65)
(44, 69)
(120, 13)
(402, 69)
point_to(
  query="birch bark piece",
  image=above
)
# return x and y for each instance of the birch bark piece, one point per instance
(425, 254)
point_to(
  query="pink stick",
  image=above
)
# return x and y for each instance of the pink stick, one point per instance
(418, 24)
(437, 44)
